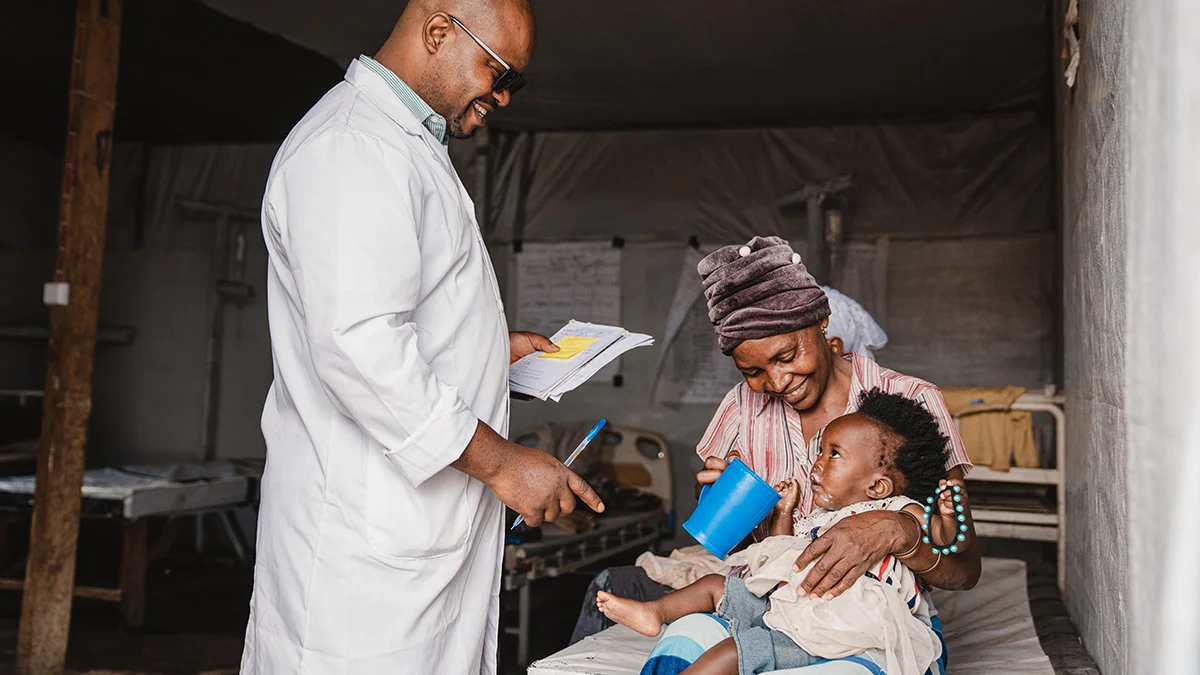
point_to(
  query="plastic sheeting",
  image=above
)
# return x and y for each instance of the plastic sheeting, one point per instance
(673, 63)
(1094, 317)
(990, 175)
(1162, 360)
(974, 312)
(986, 175)
(989, 629)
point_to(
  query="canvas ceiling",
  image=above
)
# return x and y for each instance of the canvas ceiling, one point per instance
(686, 63)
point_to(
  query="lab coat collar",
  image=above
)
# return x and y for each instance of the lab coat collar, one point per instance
(377, 90)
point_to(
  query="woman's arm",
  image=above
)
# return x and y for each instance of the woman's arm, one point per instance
(854, 545)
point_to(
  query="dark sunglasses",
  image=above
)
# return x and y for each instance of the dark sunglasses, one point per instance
(511, 80)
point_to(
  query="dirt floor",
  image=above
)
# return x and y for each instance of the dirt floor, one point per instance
(195, 616)
(197, 609)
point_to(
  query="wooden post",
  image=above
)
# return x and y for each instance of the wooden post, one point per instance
(50, 577)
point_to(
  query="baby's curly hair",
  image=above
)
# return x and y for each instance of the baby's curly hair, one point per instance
(923, 452)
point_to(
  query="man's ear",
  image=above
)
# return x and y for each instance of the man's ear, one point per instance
(881, 488)
(437, 28)
(836, 344)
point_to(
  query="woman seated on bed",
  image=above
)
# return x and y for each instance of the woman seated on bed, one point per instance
(770, 316)
(889, 455)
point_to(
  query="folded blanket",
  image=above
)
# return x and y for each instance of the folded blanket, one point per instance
(685, 566)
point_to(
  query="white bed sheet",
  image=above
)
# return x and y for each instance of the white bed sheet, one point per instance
(988, 629)
(156, 490)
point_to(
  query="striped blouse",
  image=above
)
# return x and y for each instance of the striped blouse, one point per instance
(767, 434)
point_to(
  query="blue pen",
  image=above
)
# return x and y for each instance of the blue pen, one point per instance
(583, 444)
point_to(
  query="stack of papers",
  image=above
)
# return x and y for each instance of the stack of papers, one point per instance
(583, 349)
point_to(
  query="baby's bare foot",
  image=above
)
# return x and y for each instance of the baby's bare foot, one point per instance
(631, 613)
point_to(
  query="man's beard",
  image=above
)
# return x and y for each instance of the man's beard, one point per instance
(437, 96)
(454, 127)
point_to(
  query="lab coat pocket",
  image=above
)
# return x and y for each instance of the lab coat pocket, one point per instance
(405, 522)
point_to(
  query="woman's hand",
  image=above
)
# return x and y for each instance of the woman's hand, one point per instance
(713, 467)
(850, 548)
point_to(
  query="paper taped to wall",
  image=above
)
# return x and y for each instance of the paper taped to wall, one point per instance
(558, 282)
(590, 347)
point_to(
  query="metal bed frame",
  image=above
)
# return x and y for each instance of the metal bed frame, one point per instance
(1002, 523)
(559, 555)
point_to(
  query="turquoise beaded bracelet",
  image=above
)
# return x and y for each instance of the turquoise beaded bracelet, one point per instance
(930, 505)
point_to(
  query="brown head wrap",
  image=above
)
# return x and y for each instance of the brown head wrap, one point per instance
(759, 290)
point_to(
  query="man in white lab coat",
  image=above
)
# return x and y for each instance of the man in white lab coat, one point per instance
(382, 520)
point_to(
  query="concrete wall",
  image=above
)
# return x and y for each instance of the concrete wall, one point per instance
(1094, 275)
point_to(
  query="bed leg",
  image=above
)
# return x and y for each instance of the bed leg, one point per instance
(523, 625)
(133, 573)
(235, 537)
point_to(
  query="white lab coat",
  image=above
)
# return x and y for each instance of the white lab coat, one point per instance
(389, 342)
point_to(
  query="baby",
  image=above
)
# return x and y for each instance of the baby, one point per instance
(884, 456)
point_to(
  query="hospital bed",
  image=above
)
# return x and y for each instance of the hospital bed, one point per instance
(989, 630)
(1029, 523)
(133, 495)
(1012, 622)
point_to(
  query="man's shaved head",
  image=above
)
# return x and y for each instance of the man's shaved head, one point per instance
(445, 66)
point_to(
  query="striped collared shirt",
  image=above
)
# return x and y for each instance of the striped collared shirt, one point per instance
(433, 122)
(768, 436)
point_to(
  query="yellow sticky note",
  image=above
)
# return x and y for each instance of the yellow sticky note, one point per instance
(569, 346)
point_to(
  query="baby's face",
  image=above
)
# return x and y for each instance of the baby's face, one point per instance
(852, 450)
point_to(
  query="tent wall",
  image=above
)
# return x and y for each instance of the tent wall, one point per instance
(967, 204)
(1163, 363)
(158, 272)
(970, 275)
(974, 176)
(30, 181)
(1094, 269)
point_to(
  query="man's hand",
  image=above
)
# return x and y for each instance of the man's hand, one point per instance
(848, 550)
(540, 488)
(522, 344)
(528, 481)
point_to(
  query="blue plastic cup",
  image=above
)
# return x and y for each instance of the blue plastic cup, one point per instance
(730, 509)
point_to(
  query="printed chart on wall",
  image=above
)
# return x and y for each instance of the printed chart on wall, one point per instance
(691, 369)
(573, 280)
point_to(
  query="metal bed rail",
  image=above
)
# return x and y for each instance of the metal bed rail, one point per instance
(559, 555)
(1015, 524)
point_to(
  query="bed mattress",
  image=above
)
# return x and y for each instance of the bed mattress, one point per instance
(989, 629)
